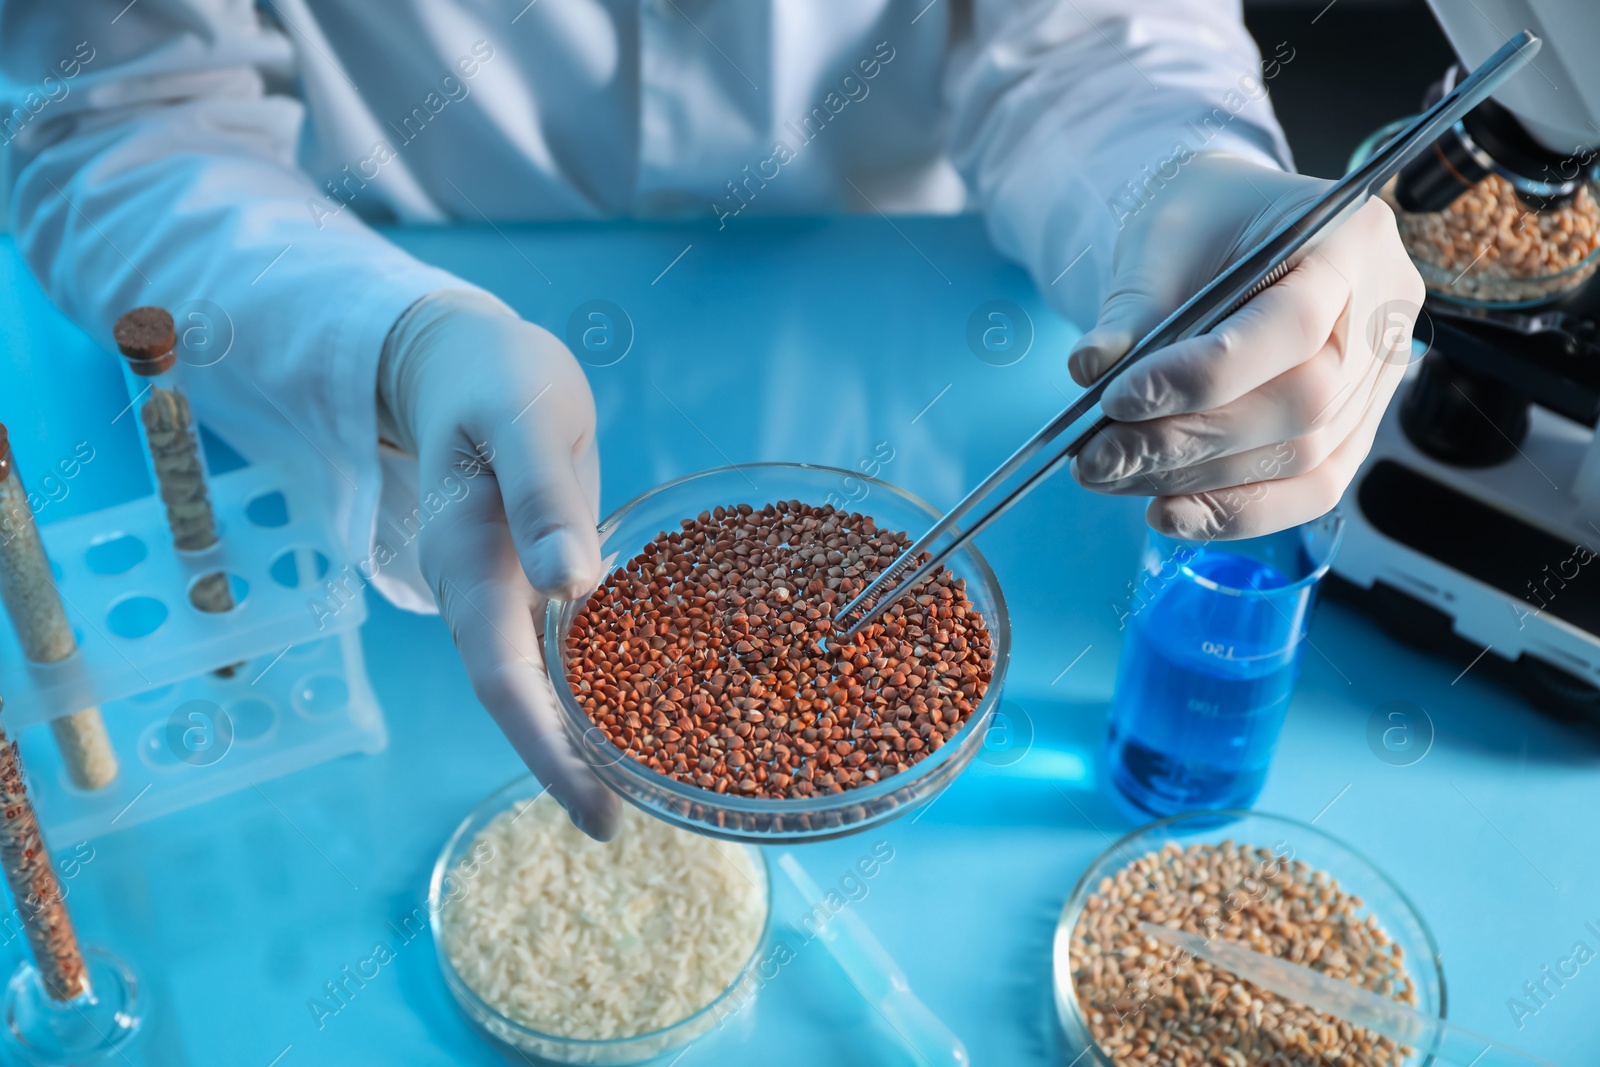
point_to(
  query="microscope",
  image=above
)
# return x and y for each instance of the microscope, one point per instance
(1473, 527)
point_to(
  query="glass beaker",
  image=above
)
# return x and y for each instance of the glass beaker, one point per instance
(1214, 634)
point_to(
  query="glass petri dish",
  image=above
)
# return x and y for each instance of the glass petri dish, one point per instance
(528, 1045)
(1482, 282)
(1354, 872)
(761, 820)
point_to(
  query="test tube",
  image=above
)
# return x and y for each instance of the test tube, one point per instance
(147, 338)
(1213, 638)
(34, 886)
(29, 590)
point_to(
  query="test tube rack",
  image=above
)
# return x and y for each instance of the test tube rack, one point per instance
(298, 694)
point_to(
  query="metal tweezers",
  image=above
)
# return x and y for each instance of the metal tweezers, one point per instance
(1260, 267)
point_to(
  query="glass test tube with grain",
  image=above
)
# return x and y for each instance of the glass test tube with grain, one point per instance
(148, 340)
(31, 876)
(65, 1004)
(29, 589)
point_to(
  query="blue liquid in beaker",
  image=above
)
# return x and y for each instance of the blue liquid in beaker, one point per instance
(1203, 687)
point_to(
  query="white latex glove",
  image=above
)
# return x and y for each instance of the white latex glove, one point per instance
(464, 379)
(1260, 424)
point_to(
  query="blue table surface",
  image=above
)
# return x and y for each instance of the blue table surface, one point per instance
(829, 341)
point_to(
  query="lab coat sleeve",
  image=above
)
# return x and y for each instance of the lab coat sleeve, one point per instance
(151, 165)
(1067, 116)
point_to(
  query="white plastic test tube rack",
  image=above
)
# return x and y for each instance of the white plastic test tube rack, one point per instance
(148, 658)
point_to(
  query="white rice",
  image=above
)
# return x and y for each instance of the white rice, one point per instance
(580, 939)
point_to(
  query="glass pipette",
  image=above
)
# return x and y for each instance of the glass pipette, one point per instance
(1428, 1034)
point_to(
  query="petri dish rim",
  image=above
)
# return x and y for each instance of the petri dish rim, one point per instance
(526, 787)
(1127, 848)
(691, 797)
(1375, 140)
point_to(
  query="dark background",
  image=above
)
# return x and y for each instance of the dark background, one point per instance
(1357, 65)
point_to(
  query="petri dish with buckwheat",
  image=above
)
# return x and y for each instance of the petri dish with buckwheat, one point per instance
(838, 499)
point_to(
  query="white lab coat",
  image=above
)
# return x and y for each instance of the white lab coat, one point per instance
(171, 150)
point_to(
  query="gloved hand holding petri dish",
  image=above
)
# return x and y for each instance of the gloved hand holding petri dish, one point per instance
(463, 377)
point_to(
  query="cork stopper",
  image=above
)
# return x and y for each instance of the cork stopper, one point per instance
(147, 338)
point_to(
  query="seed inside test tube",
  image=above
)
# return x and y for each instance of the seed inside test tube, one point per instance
(40, 620)
(35, 889)
(147, 337)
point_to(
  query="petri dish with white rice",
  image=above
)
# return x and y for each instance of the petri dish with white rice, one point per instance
(575, 951)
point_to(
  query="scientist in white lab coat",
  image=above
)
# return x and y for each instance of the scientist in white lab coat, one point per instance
(165, 150)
